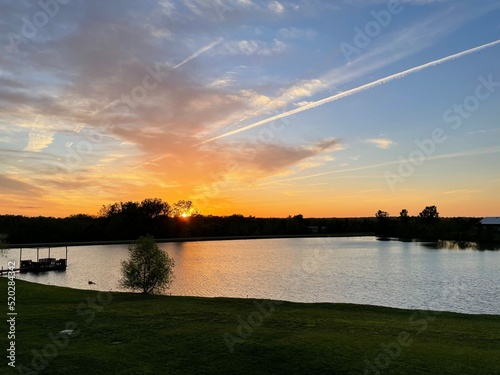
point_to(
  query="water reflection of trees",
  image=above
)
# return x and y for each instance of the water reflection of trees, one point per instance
(462, 245)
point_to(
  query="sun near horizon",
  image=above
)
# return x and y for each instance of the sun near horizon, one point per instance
(269, 109)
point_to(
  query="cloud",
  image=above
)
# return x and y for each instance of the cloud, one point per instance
(467, 153)
(302, 89)
(383, 143)
(39, 140)
(276, 7)
(356, 90)
(385, 50)
(296, 33)
(12, 186)
(125, 91)
(463, 191)
(276, 157)
(410, 2)
(253, 47)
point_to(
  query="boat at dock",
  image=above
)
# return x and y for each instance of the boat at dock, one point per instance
(43, 264)
(40, 264)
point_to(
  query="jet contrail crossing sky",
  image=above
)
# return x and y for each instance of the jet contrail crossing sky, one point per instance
(356, 90)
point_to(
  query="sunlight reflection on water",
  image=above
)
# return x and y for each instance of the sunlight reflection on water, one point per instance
(352, 270)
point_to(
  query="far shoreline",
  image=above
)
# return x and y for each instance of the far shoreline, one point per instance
(7, 246)
(185, 239)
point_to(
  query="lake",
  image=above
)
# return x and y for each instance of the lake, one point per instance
(359, 270)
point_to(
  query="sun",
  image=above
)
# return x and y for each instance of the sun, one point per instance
(184, 214)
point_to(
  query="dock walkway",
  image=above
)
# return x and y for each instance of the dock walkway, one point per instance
(40, 265)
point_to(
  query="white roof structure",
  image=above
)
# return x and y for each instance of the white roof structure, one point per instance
(490, 221)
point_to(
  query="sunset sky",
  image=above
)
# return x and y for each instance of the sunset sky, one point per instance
(265, 108)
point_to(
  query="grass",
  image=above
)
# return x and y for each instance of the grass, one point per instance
(127, 333)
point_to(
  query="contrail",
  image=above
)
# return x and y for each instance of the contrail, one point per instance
(186, 60)
(473, 152)
(353, 91)
(197, 53)
(152, 161)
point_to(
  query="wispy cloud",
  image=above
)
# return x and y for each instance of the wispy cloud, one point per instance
(358, 89)
(463, 191)
(276, 7)
(468, 153)
(383, 143)
(107, 131)
(253, 47)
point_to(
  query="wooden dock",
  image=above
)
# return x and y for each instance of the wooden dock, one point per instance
(40, 265)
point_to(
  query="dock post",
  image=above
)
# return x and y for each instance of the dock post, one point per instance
(66, 254)
(37, 254)
(49, 252)
(20, 255)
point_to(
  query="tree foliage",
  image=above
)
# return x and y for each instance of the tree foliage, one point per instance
(429, 215)
(382, 226)
(145, 210)
(183, 208)
(381, 215)
(148, 269)
(130, 220)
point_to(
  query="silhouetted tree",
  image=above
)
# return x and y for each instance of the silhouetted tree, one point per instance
(153, 208)
(183, 208)
(382, 226)
(404, 225)
(426, 225)
(381, 214)
(429, 215)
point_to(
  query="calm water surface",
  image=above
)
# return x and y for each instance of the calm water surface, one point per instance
(358, 270)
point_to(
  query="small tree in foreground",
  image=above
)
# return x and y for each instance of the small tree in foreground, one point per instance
(148, 269)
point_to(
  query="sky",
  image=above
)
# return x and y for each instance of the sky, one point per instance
(323, 108)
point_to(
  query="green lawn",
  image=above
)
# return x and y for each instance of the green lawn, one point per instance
(127, 333)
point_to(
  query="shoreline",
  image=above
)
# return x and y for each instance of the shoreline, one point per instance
(241, 299)
(245, 336)
(7, 246)
(185, 239)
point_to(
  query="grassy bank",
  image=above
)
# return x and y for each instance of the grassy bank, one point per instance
(127, 333)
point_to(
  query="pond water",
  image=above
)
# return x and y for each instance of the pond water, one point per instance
(359, 270)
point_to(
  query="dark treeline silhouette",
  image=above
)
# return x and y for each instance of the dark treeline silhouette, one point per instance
(429, 226)
(130, 220)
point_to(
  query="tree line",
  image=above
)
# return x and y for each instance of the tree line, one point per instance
(428, 225)
(131, 220)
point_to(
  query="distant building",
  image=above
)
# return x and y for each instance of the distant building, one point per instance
(315, 229)
(491, 222)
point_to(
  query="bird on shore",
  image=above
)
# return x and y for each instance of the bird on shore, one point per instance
(91, 282)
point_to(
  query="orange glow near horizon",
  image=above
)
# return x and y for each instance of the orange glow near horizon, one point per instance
(280, 204)
(259, 117)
